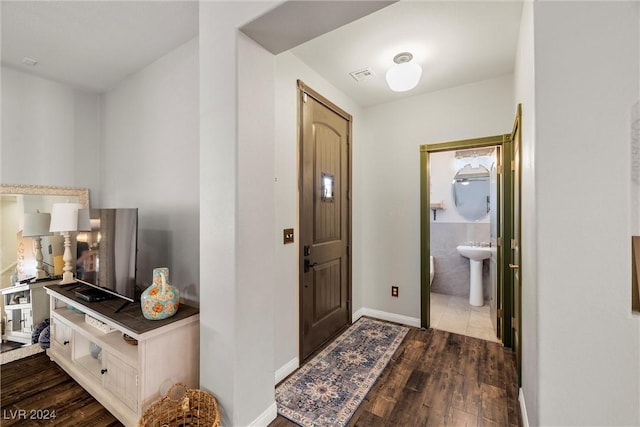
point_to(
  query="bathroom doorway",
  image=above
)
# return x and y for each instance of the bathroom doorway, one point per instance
(463, 190)
(482, 234)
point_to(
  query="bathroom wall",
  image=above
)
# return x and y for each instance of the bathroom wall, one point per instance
(450, 229)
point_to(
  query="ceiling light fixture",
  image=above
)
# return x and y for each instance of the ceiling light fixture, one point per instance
(404, 75)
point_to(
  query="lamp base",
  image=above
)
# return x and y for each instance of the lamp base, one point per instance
(67, 276)
(41, 274)
(67, 279)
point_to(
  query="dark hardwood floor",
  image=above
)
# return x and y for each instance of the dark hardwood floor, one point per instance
(37, 392)
(437, 378)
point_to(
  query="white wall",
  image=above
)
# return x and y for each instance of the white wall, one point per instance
(255, 218)
(524, 83)
(50, 133)
(586, 81)
(389, 160)
(288, 70)
(149, 161)
(237, 208)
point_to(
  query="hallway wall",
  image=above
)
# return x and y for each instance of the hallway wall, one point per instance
(236, 214)
(586, 83)
(391, 169)
(524, 84)
(288, 70)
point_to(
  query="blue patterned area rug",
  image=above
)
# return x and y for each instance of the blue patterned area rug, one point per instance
(327, 390)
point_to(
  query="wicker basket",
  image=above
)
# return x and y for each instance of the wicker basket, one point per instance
(192, 408)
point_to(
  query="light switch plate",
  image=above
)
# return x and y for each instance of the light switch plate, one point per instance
(288, 235)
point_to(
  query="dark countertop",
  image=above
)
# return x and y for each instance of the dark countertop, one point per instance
(129, 317)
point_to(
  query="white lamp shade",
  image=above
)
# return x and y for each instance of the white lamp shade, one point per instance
(84, 221)
(403, 77)
(36, 224)
(64, 217)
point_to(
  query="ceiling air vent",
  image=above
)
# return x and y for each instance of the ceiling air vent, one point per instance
(362, 74)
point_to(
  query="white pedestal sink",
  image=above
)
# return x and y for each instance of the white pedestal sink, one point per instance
(475, 254)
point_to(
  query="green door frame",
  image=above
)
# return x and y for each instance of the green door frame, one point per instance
(505, 218)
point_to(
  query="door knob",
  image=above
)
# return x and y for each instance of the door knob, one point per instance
(514, 266)
(308, 265)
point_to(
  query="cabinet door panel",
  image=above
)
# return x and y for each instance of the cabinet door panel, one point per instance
(27, 321)
(121, 379)
(60, 336)
(13, 320)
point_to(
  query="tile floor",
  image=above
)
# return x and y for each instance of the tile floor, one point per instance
(455, 314)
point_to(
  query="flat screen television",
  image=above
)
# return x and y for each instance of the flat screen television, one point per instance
(107, 254)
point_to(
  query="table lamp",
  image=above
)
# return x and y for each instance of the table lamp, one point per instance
(36, 224)
(66, 218)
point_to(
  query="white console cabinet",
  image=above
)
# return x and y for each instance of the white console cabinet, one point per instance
(125, 378)
(25, 306)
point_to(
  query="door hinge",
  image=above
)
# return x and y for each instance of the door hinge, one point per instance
(514, 323)
(500, 313)
(304, 97)
(500, 169)
(348, 194)
(513, 165)
(513, 243)
(348, 304)
(348, 250)
(499, 241)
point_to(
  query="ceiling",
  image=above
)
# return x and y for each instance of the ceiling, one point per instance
(93, 45)
(455, 42)
(288, 25)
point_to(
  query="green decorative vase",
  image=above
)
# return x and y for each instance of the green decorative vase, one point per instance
(160, 300)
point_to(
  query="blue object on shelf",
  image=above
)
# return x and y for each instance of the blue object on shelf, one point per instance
(35, 335)
(44, 339)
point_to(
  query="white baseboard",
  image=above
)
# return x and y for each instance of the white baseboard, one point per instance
(270, 414)
(358, 314)
(523, 409)
(286, 369)
(390, 317)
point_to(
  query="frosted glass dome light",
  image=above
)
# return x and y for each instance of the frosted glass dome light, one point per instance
(404, 75)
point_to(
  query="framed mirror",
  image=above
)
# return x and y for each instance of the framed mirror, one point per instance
(470, 191)
(17, 252)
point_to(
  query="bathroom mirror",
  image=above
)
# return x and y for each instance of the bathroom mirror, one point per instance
(470, 190)
(17, 252)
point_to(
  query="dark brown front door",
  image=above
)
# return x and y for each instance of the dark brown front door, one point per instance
(325, 282)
